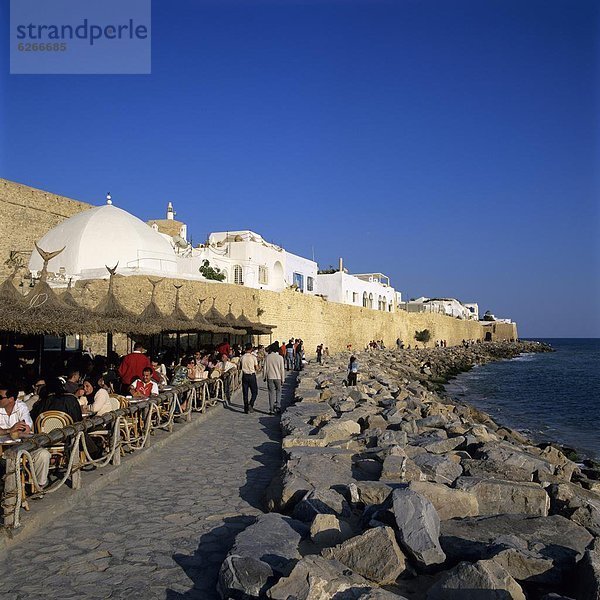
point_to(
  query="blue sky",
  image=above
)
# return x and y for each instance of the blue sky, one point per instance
(451, 145)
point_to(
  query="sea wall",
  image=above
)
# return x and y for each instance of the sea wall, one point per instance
(393, 490)
(27, 214)
(312, 318)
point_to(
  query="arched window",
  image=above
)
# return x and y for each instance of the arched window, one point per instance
(224, 272)
(365, 300)
(370, 300)
(383, 303)
(237, 275)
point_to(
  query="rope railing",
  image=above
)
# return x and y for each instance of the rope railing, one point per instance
(119, 428)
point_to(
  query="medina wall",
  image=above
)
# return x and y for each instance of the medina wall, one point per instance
(294, 314)
(26, 215)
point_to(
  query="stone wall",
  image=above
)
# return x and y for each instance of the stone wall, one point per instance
(312, 318)
(27, 214)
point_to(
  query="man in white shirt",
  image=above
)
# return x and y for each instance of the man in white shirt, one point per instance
(274, 375)
(15, 419)
(249, 365)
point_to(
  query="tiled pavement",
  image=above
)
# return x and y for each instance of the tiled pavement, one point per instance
(164, 528)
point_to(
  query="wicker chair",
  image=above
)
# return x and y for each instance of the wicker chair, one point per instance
(49, 421)
(129, 425)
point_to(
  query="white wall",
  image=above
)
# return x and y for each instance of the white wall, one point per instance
(347, 289)
(305, 267)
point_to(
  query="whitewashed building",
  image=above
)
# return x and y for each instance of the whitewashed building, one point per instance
(445, 306)
(107, 235)
(369, 290)
(246, 258)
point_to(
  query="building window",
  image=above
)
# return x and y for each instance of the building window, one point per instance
(224, 272)
(263, 275)
(310, 284)
(299, 281)
(370, 300)
(237, 275)
(365, 300)
(354, 297)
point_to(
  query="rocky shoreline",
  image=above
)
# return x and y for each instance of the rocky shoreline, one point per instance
(392, 489)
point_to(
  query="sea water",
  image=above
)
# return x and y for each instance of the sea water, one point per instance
(549, 396)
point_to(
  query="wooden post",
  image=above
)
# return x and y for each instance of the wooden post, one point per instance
(109, 343)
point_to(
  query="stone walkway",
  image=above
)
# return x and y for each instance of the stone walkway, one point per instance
(162, 530)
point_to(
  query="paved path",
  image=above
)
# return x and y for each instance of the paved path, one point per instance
(162, 530)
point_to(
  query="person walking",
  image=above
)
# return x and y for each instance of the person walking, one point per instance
(289, 357)
(320, 353)
(352, 371)
(249, 365)
(274, 375)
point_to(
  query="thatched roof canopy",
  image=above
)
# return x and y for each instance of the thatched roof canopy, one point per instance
(112, 315)
(152, 320)
(178, 320)
(203, 325)
(214, 317)
(253, 327)
(68, 298)
(11, 303)
(42, 311)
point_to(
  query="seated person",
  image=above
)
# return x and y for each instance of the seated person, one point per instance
(32, 397)
(159, 371)
(14, 420)
(97, 396)
(57, 399)
(225, 364)
(144, 387)
(182, 371)
(72, 383)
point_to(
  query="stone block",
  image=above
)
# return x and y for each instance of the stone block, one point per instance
(483, 579)
(375, 555)
(496, 496)
(418, 526)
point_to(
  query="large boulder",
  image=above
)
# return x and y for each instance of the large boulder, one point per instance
(397, 466)
(445, 445)
(483, 579)
(339, 429)
(244, 577)
(496, 496)
(321, 501)
(267, 547)
(328, 530)
(308, 469)
(418, 526)
(448, 502)
(589, 575)
(505, 456)
(273, 538)
(438, 468)
(555, 539)
(316, 578)
(375, 555)
(576, 503)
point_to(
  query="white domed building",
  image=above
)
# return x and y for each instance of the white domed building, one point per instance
(106, 235)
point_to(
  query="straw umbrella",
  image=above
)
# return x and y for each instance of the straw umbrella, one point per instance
(11, 302)
(152, 320)
(45, 313)
(254, 327)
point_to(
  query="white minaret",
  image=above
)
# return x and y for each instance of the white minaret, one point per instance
(170, 212)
